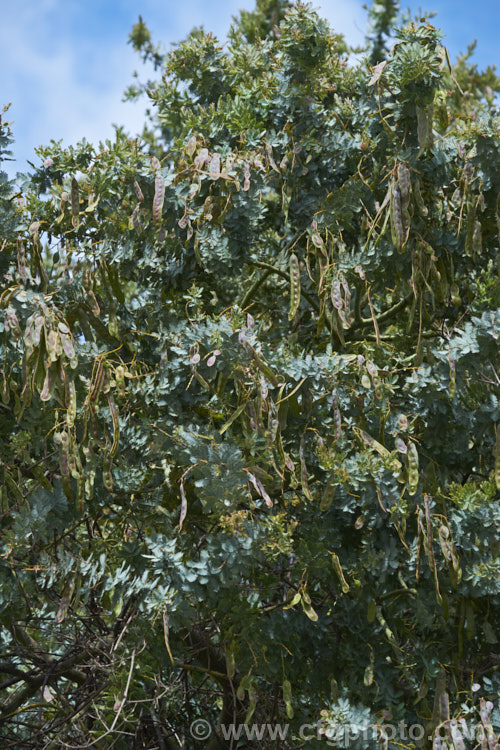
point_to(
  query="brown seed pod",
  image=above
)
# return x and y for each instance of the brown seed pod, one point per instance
(159, 196)
(138, 191)
(116, 424)
(397, 228)
(404, 183)
(452, 387)
(97, 381)
(214, 168)
(246, 174)
(75, 203)
(135, 221)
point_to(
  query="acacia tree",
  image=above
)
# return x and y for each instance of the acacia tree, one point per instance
(250, 382)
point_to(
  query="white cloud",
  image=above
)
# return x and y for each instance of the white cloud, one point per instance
(67, 82)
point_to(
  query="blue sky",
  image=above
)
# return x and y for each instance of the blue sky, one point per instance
(65, 63)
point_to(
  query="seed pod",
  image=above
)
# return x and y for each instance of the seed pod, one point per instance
(191, 146)
(120, 380)
(12, 322)
(424, 127)
(452, 387)
(337, 422)
(444, 534)
(477, 237)
(471, 228)
(49, 384)
(21, 260)
(317, 240)
(97, 381)
(66, 341)
(214, 169)
(75, 203)
(287, 698)
(114, 281)
(370, 615)
(308, 609)
(65, 601)
(340, 573)
(183, 511)
(347, 294)
(116, 424)
(202, 158)
(412, 455)
(294, 286)
(71, 402)
(53, 342)
(418, 197)
(135, 221)
(138, 191)
(368, 676)
(159, 196)
(328, 496)
(303, 471)
(429, 539)
(404, 184)
(401, 446)
(336, 296)
(246, 174)
(397, 228)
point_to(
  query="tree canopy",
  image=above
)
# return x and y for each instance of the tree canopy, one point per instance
(250, 400)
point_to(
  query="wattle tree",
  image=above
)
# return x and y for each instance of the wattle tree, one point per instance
(250, 402)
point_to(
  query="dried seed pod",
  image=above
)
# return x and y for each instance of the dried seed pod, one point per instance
(328, 496)
(404, 183)
(116, 424)
(452, 387)
(397, 228)
(138, 191)
(368, 676)
(97, 381)
(66, 340)
(159, 196)
(429, 540)
(135, 221)
(246, 174)
(294, 286)
(21, 260)
(336, 296)
(65, 601)
(49, 384)
(202, 158)
(303, 471)
(191, 146)
(340, 573)
(214, 168)
(75, 203)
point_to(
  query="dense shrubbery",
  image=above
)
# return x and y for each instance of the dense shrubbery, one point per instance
(250, 382)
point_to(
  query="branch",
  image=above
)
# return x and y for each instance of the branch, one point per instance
(360, 322)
